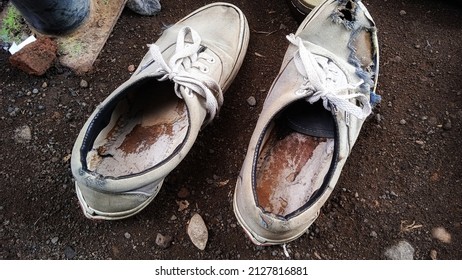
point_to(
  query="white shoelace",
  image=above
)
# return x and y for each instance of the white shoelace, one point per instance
(187, 56)
(318, 87)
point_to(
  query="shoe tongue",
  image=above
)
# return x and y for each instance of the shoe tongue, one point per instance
(310, 119)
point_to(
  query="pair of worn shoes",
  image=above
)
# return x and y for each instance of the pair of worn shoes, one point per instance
(310, 119)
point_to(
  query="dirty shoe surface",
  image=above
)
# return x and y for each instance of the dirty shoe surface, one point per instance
(147, 126)
(310, 121)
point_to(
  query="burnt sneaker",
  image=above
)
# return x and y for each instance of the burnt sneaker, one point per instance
(309, 123)
(144, 129)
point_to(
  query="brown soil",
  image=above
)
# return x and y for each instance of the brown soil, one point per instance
(402, 180)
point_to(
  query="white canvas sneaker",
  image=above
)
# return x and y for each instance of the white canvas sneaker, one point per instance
(309, 123)
(144, 129)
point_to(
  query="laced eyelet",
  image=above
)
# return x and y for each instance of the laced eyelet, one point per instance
(188, 92)
(205, 69)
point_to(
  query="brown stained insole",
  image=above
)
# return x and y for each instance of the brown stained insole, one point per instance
(290, 170)
(143, 132)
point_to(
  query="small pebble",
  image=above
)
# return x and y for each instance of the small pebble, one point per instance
(127, 235)
(131, 68)
(447, 125)
(433, 254)
(44, 85)
(69, 253)
(182, 205)
(163, 241)
(23, 134)
(402, 12)
(54, 240)
(35, 91)
(441, 234)
(251, 101)
(401, 251)
(83, 84)
(397, 59)
(373, 234)
(183, 193)
(402, 122)
(197, 231)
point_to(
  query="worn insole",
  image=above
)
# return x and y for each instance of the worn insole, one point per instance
(144, 131)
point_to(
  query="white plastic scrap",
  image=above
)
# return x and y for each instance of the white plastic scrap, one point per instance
(15, 48)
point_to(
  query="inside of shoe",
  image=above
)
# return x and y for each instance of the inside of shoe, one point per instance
(294, 158)
(145, 128)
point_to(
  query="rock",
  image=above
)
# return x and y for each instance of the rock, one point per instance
(54, 240)
(83, 84)
(144, 7)
(197, 231)
(447, 125)
(402, 122)
(402, 12)
(131, 68)
(127, 235)
(69, 253)
(441, 234)
(22, 134)
(182, 204)
(433, 255)
(37, 57)
(13, 111)
(433, 121)
(401, 251)
(251, 101)
(373, 234)
(396, 59)
(163, 241)
(183, 193)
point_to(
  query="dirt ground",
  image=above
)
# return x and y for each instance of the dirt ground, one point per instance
(402, 181)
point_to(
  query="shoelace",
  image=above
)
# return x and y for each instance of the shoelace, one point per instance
(318, 88)
(187, 56)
